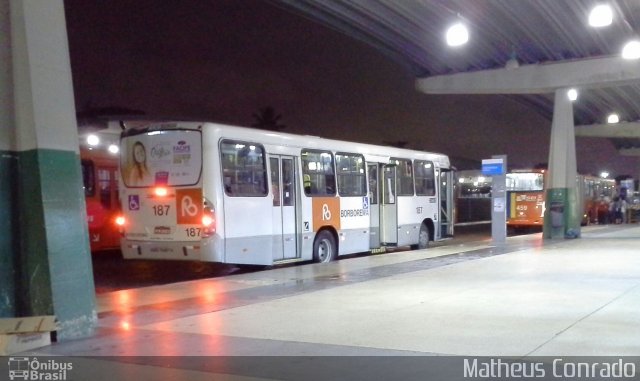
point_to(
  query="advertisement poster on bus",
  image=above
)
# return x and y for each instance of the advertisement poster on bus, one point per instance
(526, 208)
(172, 158)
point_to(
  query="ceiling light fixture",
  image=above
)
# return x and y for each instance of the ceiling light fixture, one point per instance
(93, 140)
(631, 50)
(601, 15)
(457, 35)
(114, 149)
(572, 94)
(613, 119)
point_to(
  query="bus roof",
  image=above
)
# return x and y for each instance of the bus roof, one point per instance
(376, 153)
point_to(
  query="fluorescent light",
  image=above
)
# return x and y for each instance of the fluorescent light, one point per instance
(604, 174)
(93, 140)
(457, 35)
(572, 94)
(631, 50)
(613, 118)
(601, 15)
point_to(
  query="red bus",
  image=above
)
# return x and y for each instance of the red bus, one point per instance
(526, 197)
(100, 180)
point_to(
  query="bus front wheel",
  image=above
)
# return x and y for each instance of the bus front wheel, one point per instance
(324, 247)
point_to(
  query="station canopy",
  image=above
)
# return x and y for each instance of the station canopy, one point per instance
(502, 33)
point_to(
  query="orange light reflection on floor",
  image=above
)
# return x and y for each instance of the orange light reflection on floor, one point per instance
(207, 292)
(124, 298)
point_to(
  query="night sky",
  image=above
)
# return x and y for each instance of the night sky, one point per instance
(223, 60)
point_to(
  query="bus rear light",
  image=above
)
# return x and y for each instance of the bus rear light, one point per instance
(160, 191)
(208, 222)
(120, 222)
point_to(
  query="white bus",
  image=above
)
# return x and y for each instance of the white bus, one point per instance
(211, 192)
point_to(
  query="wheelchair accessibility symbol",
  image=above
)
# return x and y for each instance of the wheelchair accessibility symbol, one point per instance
(134, 202)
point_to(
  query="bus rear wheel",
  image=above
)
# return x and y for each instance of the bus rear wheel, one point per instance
(423, 238)
(324, 247)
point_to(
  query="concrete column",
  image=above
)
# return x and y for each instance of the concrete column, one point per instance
(562, 216)
(8, 167)
(46, 260)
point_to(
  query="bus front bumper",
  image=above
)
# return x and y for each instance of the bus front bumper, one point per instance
(171, 250)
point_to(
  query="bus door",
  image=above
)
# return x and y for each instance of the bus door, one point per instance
(374, 206)
(283, 186)
(108, 188)
(445, 193)
(388, 206)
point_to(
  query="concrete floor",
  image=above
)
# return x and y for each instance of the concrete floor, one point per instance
(530, 298)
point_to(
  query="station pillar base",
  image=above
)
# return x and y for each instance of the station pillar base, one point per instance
(561, 217)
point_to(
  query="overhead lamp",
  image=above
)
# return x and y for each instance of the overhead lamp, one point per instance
(601, 15)
(572, 94)
(114, 149)
(613, 119)
(631, 50)
(604, 174)
(93, 140)
(457, 35)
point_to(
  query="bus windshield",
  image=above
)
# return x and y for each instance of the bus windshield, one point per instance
(525, 181)
(170, 157)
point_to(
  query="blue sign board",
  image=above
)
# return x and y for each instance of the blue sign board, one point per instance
(492, 167)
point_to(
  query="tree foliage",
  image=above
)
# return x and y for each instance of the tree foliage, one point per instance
(267, 119)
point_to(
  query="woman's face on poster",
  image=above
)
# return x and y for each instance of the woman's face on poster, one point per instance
(139, 154)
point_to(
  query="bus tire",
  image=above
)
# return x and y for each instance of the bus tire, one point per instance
(324, 247)
(423, 238)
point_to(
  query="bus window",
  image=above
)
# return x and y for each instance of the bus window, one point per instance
(351, 177)
(373, 184)
(525, 181)
(104, 185)
(275, 181)
(425, 178)
(389, 186)
(288, 183)
(318, 172)
(405, 177)
(243, 169)
(88, 178)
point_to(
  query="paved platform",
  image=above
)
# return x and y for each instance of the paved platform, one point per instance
(529, 298)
